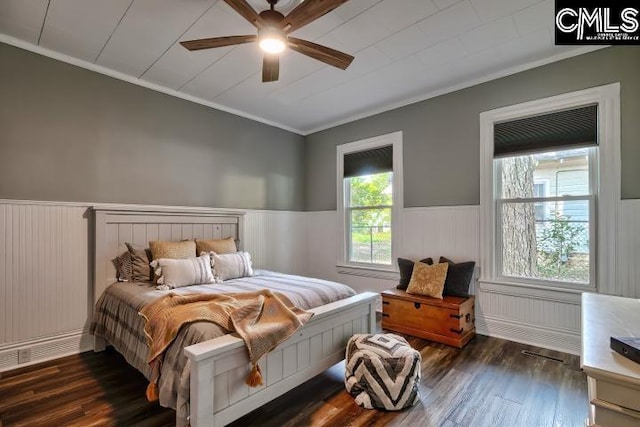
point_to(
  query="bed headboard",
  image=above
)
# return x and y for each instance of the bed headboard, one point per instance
(113, 226)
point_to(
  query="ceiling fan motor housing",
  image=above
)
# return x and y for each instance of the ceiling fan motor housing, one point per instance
(273, 29)
(272, 18)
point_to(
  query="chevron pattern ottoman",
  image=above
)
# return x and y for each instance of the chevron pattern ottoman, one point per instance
(382, 371)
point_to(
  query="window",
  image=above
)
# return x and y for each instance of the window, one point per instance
(368, 215)
(546, 236)
(550, 186)
(540, 190)
(369, 199)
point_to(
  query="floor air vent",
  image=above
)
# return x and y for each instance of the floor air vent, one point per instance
(542, 356)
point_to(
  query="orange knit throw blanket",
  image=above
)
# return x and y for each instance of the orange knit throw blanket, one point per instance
(263, 319)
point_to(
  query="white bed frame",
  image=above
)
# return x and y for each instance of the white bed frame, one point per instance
(220, 366)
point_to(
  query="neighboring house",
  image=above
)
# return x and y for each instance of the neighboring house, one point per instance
(558, 175)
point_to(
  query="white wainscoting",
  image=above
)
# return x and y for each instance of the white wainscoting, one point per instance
(628, 254)
(45, 272)
(46, 275)
(450, 231)
(426, 232)
(539, 317)
(276, 240)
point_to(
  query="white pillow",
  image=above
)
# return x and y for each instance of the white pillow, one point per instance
(231, 266)
(175, 273)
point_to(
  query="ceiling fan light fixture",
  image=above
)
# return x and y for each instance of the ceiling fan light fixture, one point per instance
(272, 41)
(273, 29)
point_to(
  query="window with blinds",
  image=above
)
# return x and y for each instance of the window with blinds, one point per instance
(545, 177)
(369, 199)
(368, 190)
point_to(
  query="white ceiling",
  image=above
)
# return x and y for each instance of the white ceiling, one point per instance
(405, 50)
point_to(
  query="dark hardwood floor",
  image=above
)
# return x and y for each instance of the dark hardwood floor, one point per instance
(488, 383)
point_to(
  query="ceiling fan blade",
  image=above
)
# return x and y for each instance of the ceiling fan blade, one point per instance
(321, 53)
(307, 12)
(270, 68)
(217, 42)
(247, 12)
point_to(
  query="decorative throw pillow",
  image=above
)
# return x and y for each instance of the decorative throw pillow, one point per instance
(231, 266)
(406, 269)
(220, 246)
(428, 279)
(173, 250)
(175, 273)
(458, 277)
(140, 259)
(124, 267)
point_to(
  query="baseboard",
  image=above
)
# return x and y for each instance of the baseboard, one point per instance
(42, 349)
(561, 340)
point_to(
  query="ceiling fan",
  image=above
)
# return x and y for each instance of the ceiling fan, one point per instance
(273, 34)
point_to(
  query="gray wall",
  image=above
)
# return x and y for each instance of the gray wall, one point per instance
(442, 134)
(69, 134)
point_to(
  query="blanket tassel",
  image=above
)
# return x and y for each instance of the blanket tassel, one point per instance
(152, 392)
(255, 377)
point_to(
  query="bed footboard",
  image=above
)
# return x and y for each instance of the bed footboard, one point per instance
(219, 367)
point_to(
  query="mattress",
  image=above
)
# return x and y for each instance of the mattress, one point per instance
(116, 319)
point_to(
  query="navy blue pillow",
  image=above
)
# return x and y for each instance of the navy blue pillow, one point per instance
(406, 270)
(458, 277)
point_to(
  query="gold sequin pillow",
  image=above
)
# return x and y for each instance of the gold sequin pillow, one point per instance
(219, 246)
(428, 280)
(172, 250)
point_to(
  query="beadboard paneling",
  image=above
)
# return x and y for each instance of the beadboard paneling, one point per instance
(322, 244)
(563, 315)
(44, 270)
(276, 240)
(628, 254)
(46, 276)
(450, 231)
(539, 317)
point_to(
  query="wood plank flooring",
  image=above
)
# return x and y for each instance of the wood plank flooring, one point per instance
(488, 383)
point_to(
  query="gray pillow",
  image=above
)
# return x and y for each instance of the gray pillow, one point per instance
(458, 277)
(141, 271)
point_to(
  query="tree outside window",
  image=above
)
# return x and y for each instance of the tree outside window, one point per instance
(545, 237)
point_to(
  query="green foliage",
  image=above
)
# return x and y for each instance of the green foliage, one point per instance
(370, 228)
(557, 244)
(371, 245)
(371, 190)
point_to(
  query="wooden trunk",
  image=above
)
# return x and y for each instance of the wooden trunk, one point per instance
(450, 320)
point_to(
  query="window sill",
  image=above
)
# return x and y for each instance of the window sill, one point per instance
(372, 272)
(535, 291)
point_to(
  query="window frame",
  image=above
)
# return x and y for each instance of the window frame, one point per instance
(546, 185)
(359, 268)
(607, 193)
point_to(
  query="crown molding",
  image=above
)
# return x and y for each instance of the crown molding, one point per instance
(4, 38)
(463, 85)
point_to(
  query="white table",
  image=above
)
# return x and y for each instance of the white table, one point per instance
(613, 380)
